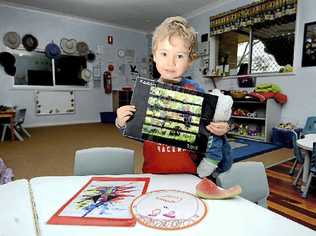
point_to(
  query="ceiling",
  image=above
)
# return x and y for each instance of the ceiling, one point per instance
(141, 15)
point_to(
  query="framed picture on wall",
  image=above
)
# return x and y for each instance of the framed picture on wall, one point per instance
(309, 45)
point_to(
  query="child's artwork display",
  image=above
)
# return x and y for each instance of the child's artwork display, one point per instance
(103, 201)
(171, 115)
(168, 209)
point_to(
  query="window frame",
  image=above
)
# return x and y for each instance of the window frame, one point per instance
(250, 41)
(14, 86)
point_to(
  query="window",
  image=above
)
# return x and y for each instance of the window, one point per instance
(35, 69)
(268, 47)
(233, 50)
(272, 47)
(68, 70)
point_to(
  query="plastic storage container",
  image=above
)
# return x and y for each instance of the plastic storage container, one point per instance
(283, 137)
(108, 117)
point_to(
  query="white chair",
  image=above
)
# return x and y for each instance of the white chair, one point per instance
(312, 171)
(104, 161)
(18, 121)
(252, 178)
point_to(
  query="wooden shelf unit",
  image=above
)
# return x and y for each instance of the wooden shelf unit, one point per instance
(268, 116)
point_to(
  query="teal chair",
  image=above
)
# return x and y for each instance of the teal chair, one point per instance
(310, 125)
(312, 171)
(104, 161)
(299, 158)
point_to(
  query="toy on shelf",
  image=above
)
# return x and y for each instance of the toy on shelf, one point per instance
(240, 112)
(238, 94)
(252, 132)
(252, 114)
(288, 125)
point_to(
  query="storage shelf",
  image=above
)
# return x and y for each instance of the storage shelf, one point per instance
(248, 101)
(269, 113)
(259, 138)
(271, 74)
(249, 118)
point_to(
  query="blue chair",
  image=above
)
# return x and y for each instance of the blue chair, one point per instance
(312, 171)
(299, 158)
(310, 125)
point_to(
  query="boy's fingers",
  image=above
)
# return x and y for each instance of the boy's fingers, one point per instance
(126, 111)
(129, 108)
(126, 118)
(218, 129)
(128, 114)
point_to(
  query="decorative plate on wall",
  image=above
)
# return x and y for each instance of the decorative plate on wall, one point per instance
(120, 53)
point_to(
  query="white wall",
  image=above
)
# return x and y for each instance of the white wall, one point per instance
(47, 27)
(300, 88)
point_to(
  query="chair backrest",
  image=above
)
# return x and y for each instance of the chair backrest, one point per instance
(20, 116)
(296, 150)
(313, 159)
(252, 178)
(104, 161)
(310, 125)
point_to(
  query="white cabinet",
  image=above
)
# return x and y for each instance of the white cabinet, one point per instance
(254, 120)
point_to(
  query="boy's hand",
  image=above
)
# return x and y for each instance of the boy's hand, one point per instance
(123, 114)
(218, 128)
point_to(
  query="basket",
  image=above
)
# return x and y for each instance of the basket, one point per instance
(238, 94)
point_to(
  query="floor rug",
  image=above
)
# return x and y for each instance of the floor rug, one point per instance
(243, 148)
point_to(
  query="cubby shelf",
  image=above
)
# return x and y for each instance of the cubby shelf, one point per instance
(268, 116)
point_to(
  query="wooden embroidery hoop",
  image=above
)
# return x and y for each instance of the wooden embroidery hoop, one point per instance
(140, 208)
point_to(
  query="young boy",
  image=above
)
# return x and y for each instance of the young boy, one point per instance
(173, 46)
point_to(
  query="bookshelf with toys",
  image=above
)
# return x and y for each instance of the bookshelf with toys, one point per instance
(252, 119)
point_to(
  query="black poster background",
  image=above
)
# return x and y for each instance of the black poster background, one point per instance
(140, 100)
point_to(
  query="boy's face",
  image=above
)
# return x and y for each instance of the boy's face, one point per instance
(172, 59)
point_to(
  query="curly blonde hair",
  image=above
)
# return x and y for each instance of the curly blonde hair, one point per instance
(176, 26)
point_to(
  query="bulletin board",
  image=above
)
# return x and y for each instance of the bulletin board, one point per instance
(54, 102)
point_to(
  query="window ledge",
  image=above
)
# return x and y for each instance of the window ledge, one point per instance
(276, 74)
(56, 87)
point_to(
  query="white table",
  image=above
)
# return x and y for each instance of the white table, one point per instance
(237, 216)
(306, 144)
(16, 210)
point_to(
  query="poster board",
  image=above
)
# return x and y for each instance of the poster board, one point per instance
(171, 115)
(103, 201)
(52, 102)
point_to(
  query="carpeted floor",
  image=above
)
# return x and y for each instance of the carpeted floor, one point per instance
(50, 151)
(243, 148)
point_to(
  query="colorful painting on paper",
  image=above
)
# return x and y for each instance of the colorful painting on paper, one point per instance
(102, 201)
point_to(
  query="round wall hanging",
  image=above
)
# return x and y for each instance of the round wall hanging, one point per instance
(120, 53)
(168, 209)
